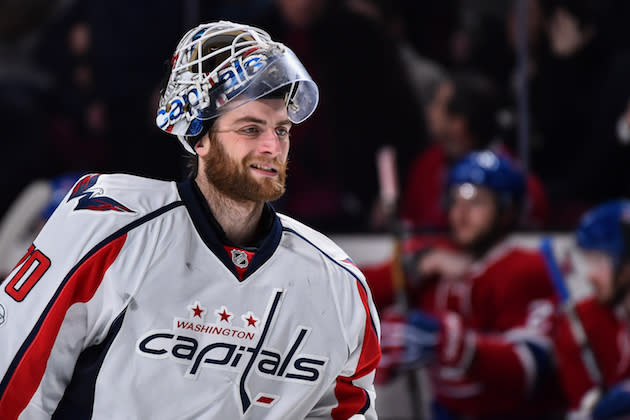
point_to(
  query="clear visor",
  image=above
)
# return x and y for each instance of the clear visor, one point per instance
(258, 75)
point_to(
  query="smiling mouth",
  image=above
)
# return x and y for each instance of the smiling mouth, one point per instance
(269, 170)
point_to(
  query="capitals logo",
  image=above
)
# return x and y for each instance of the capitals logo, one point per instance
(243, 350)
(94, 200)
(187, 105)
(237, 74)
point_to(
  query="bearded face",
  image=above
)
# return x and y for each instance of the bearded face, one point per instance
(239, 180)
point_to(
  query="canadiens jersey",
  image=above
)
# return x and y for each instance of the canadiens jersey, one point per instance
(506, 303)
(128, 306)
(506, 300)
(608, 334)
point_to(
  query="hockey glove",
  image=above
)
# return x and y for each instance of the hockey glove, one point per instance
(424, 339)
(439, 339)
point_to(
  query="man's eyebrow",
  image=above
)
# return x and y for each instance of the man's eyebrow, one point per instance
(259, 121)
(250, 119)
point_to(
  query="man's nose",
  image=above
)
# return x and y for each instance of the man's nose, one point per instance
(269, 142)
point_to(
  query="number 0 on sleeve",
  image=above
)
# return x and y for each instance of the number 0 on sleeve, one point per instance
(33, 266)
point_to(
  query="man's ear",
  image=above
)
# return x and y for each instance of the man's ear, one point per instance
(202, 147)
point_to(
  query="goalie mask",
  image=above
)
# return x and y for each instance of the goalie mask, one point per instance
(220, 66)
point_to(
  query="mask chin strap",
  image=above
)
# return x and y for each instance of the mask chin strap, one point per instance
(189, 142)
(184, 141)
(289, 95)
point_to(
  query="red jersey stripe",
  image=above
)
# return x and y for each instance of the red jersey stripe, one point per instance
(80, 287)
(353, 399)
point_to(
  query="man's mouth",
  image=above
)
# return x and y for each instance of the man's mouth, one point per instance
(265, 169)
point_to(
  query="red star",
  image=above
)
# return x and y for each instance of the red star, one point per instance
(251, 321)
(197, 311)
(225, 316)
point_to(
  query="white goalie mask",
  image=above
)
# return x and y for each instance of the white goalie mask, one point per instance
(219, 66)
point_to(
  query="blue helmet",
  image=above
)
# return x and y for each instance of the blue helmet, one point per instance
(601, 229)
(492, 171)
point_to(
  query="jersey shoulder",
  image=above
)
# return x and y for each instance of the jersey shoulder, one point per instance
(522, 258)
(98, 206)
(521, 264)
(320, 243)
(120, 193)
(518, 275)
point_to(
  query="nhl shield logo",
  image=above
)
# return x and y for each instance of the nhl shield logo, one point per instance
(3, 315)
(239, 258)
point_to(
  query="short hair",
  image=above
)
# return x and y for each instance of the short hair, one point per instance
(476, 99)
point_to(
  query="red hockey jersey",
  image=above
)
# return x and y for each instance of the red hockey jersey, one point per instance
(506, 302)
(608, 333)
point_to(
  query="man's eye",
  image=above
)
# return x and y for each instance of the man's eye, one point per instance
(282, 132)
(249, 131)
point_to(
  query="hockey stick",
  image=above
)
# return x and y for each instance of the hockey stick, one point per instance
(568, 306)
(389, 196)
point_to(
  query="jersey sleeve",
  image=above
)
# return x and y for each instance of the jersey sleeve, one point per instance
(352, 394)
(518, 352)
(573, 375)
(56, 301)
(596, 361)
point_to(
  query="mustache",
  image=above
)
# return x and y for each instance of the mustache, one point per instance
(250, 158)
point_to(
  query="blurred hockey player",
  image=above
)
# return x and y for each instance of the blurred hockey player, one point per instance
(148, 299)
(483, 311)
(599, 388)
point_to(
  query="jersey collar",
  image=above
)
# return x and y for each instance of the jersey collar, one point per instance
(213, 235)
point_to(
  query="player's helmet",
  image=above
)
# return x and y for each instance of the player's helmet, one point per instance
(494, 172)
(219, 66)
(605, 228)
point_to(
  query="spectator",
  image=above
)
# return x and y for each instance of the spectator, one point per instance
(565, 97)
(483, 311)
(424, 74)
(461, 118)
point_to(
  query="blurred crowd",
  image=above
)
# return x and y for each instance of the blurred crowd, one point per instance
(542, 81)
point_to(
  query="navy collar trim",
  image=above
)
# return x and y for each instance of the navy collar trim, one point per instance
(213, 235)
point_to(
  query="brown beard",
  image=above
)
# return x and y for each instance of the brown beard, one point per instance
(234, 180)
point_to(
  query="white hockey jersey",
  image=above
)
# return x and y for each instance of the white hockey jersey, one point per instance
(128, 306)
